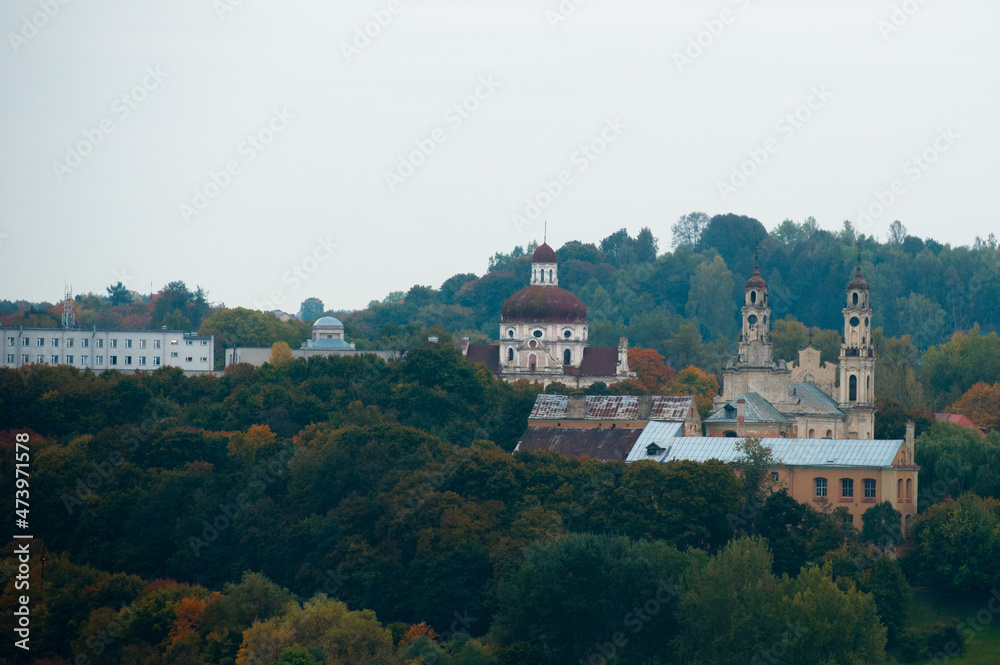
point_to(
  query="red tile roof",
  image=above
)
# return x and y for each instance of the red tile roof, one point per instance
(960, 419)
(599, 361)
(485, 354)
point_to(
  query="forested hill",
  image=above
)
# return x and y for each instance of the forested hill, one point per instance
(668, 300)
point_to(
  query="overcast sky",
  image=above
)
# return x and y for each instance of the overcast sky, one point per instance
(119, 120)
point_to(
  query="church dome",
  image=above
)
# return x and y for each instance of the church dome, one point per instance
(858, 282)
(328, 322)
(544, 254)
(756, 281)
(543, 304)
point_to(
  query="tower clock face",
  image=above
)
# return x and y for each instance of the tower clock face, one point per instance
(855, 321)
(752, 319)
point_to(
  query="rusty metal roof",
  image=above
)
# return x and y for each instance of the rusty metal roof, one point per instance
(612, 407)
(607, 444)
(756, 410)
(670, 408)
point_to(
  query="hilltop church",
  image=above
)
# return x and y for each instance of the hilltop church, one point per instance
(767, 398)
(543, 336)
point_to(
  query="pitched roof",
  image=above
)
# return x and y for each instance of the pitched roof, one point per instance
(756, 410)
(674, 408)
(611, 407)
(485, 354)
(960, 419)
(814, 401)
(607, 444)
(599, 361)
(656, 438)
(792, 452)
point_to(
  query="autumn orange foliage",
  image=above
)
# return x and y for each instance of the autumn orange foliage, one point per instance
(417, 630)
(650, 370)
(981, 403)
(187, 617)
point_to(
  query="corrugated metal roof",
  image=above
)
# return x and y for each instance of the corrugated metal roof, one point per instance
(550, 406)
(756, 410)
(812, 400)
(612, 407)
(792, 452)
(670, 408)
(660, 434)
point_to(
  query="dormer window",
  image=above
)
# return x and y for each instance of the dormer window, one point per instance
(653, 449)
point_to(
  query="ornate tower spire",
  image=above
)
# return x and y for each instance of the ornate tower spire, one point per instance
(755, 338)
(544, 271)
(857, 359)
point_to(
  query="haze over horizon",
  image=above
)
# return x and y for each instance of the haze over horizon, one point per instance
(228, 144)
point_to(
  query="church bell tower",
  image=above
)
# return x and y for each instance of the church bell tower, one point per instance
(755, 339)
(857, 361)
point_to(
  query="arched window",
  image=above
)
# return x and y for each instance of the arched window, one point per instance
(909, 488)
(899, 489)
(829, 433)
(532, 362)
(753, 297)
(820, 487)
(510, 355)
(731, 435)
(567, 357)
(550, 275)
(868, 389)
(812, 434)
(854, 298)
(853, 396)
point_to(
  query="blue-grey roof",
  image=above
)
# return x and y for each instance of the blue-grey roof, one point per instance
(328, 322)
(812, 400)
(327, 344)
(791, 452)
(660, 434)
(756, 410)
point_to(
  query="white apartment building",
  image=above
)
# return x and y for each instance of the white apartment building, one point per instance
(99, 350)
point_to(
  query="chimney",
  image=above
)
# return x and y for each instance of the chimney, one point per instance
(911, 429)
(741, 409)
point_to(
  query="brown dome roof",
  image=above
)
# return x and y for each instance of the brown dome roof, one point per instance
(543, 304)
(858, 282)
(756, 281)
(544, 254)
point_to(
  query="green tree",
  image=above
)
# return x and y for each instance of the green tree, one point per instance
(710, 298)
(688, 228)
(118, 294)
(311, 309)
(882, 526)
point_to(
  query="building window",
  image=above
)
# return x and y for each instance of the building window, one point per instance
(41, 341)
(84, 360)
(69, 342)
(820, 487)
(567, 357)
(69, 360)
(173, 342)
(909, 488)
(128, 360)
(869, 488)
(156, 360)
(847, 488)
(85, 343)
(204, 359)
(853, 396)
(510, 333)
(112, 360)
(128, 344)
(142, 344)
(55, 360)
(173, 354)
(55, 342)
(188, 359)
(25, 360)
(567, 334)
(39, 358)
(99, 343)
(10, 358)
(10, 341)
(190, 343)
(538, 334)
(100, 360)
(510, 355)
(156, 343)
(848, 519)
(142, 360)
(204, 342)
(114, 344)
(899, 489)
(774, 476)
